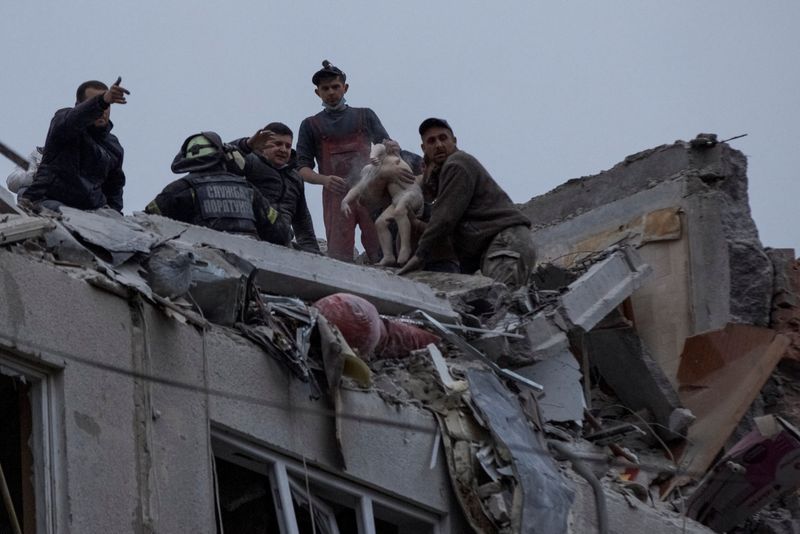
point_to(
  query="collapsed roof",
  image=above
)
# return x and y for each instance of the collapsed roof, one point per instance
(644, 336)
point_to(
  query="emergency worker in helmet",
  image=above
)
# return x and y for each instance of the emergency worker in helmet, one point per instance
(211, 195)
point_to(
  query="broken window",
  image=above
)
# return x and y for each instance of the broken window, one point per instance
(245, 500)
(25, 445)
(259, 491)
(15, 454)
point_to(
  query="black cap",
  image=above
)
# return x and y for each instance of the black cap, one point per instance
(328, 71)
(433, 122)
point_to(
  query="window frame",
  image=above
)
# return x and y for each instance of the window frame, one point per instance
(46, 438)
(279, 467)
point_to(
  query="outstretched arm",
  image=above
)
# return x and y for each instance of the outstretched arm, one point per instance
(368, 174)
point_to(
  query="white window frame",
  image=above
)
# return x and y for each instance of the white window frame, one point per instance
(46, 432)
(280, 467)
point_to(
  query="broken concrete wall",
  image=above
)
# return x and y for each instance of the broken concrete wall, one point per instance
(785, 316)
(711, 184)
(687, 211)
(137, 393)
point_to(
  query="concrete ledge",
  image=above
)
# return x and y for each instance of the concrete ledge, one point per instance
(285, 271)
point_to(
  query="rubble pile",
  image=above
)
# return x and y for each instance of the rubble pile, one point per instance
(635, 381)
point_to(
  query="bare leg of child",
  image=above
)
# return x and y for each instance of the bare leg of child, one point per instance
(403, 232)
(385, 238)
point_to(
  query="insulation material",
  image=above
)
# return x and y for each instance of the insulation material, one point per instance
(366, 332)
(402, 338)
(356, 319)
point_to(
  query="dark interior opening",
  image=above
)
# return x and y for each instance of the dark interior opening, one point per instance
(16, 458)
(245, 500)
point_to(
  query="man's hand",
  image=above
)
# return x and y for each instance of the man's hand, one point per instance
(116, 94)
(414, 264)
(398, 173)
(392, 147)
(259, 140)
(337, 184)
(404, 175)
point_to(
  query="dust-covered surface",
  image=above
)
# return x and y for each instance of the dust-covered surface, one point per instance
(565, 405)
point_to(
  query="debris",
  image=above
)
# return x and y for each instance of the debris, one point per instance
(441, 368)
(581, 468)
(546, 337)
(560, 376)
(626, 365)
(494, 344)
(499, 508)
(15, 228)
(704, 140)
(402, 338)
(221, 301)
(472, 352)
(117, 237)
(367, 332)
(761, 467)
(616, 434)
(785, 312)
(476, 295)
(546, 497)
(65, 247)
(356, 319)
(720, 374)
(7, 203)
(604, 286)
(437, 442)
(284, 271)
(339, 359)
(676, 211)
(169, 271)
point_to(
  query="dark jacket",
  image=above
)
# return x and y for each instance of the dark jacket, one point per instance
(470, 207)
(285, 190)
(235, 207)
(82, 165)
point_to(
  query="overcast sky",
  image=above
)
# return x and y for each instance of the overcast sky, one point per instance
(540, 92)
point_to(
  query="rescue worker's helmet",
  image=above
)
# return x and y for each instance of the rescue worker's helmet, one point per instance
(206, 151)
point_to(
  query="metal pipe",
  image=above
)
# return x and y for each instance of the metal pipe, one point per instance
(13, 156)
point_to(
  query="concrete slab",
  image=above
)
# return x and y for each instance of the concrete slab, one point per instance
(626, 365)
(284, 271)
(545, 337)
(15, 228)
(120, 237)
(603, 287)
(562, 400)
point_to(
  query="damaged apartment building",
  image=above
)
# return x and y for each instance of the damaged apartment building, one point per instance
(160, 377)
